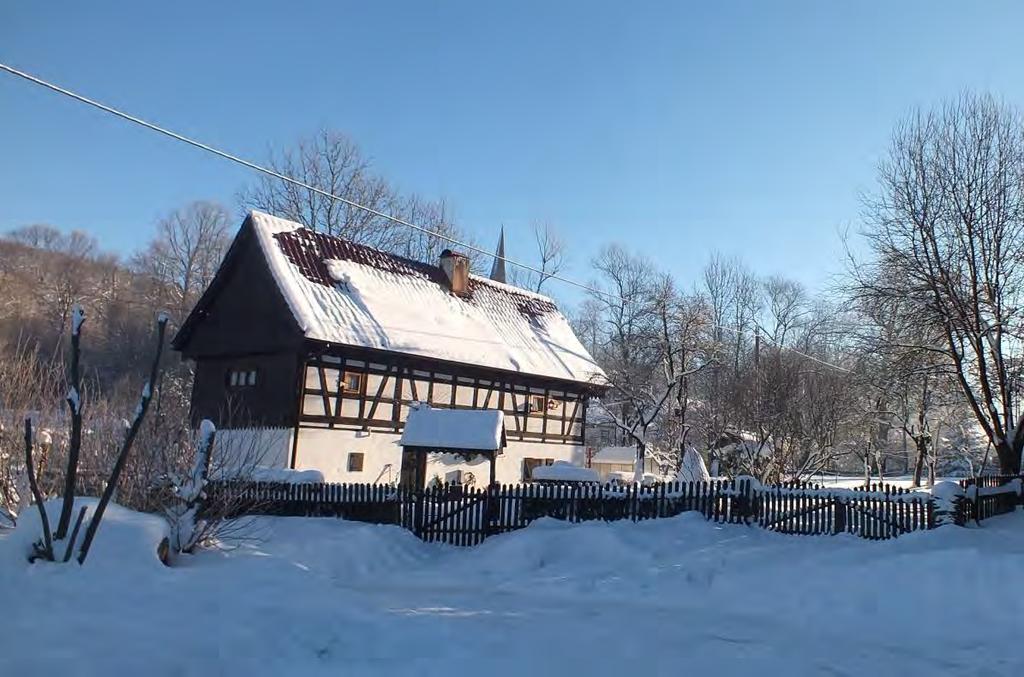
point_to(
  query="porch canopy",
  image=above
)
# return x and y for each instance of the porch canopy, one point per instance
(442, 431)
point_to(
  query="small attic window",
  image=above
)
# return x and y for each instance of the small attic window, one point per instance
(241, 378)
(352, 381)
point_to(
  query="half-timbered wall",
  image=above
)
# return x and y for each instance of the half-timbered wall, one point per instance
(369, 395)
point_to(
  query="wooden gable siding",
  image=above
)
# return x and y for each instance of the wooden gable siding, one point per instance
(389, 385)
(272, 402)
(242, 322)
(242, 312)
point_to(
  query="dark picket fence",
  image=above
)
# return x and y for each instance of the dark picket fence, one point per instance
(988, 496)
(877, 512)
(466, 516)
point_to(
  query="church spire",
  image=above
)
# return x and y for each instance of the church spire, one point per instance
(498, 268)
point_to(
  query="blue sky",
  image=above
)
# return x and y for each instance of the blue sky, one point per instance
(678, 128)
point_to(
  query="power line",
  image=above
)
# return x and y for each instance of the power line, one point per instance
(762, 337)
(282, 177)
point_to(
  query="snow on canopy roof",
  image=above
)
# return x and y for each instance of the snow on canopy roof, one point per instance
(454, 428)
(351, 294)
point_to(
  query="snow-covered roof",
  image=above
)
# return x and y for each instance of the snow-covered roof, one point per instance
(351, 294)
(565, 472)
(454, 428)
(614, 455)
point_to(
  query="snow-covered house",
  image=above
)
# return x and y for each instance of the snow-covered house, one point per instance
(322, 347)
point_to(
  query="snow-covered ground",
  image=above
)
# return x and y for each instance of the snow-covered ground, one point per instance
(672, 596)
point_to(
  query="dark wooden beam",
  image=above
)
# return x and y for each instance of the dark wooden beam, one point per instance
(572, 419)
(300, 384)
(544, 419)
(387, 426)
(447, 366)
(323, 390)
(412, 385)
(396, 407)
(376, 398)
(364, 379)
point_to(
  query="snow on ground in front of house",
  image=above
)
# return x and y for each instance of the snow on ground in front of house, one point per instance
(671, 596)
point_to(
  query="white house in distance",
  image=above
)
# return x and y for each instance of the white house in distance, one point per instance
(619, 462)
(322, 347)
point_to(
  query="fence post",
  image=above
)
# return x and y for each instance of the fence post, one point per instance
(839, 508)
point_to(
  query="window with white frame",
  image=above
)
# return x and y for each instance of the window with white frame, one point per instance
(242, 378)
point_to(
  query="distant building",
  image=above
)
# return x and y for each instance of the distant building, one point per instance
(619, 462)
(322, 347)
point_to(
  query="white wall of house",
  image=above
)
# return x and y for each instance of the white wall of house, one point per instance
(328, 451)
(248, 447)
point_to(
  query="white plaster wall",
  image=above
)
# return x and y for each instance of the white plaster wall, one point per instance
(267, 447)
(327, 451)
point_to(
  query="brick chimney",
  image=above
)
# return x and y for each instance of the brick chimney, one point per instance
(456, 269)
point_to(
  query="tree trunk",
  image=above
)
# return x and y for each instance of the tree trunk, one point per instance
(1009, 458)
(922, 450)
(638, 466)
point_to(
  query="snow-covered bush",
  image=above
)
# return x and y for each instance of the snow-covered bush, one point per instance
(692, 468)
(949, 500)
(183, 518)
(197, 514)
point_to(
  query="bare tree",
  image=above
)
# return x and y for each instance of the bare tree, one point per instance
(949, 218)
(329, 161)
(552, 254)
(184, 254)
(60, 274)
(648, 337)
(333, 163)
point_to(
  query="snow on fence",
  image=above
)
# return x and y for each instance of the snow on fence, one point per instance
(988, 496)
(877, 512)
(466, 516)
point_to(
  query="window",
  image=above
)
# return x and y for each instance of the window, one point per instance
(352, 381)
(540, 403)
(241, 378)
(355, 462)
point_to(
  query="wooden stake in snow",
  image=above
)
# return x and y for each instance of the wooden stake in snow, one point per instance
(129, 438)
(47, 549)
(74, 400)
